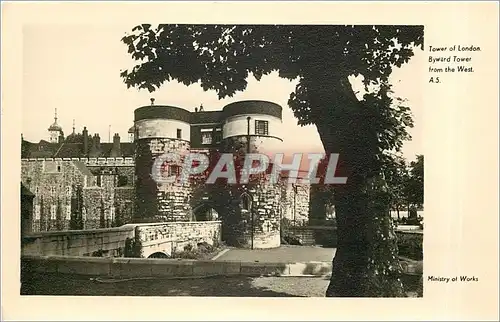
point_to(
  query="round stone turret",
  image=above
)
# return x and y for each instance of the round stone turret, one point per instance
(253, 127)
(160, 130)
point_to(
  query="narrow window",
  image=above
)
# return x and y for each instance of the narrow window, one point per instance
(261, 127)
(53, 212)
(68, 212)
(179, 133)
(37, 212)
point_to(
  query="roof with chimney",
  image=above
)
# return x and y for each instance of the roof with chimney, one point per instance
(73, 147)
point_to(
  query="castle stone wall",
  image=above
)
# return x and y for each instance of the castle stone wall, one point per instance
(53, 182)
(156, 201)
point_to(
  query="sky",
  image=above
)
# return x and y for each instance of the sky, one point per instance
(75, 68)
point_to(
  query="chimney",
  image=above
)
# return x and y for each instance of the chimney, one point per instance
(97, 141)
(85, 134)
(95, 150)
(195, 109)
(116, 150)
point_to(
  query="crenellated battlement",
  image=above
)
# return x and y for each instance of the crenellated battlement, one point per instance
(92, 162)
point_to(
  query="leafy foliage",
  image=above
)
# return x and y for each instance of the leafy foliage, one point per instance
(410, 245)
(396, 176)
(76, 221)
(221, 57)
(405, 181)
(415, 186)
(59, 215)
(321, 58)
(133, 247)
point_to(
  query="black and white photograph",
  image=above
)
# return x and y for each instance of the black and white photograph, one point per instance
(222, 160)
(244, 160)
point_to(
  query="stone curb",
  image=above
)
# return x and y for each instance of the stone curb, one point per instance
(142, 267)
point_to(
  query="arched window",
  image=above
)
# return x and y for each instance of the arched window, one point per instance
(246, 201)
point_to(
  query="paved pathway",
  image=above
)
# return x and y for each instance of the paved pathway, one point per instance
(58, 284)
(283, 254)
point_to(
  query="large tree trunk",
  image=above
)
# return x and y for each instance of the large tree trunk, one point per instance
(366, 261)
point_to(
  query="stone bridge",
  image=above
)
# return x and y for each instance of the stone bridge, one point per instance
(151, 240)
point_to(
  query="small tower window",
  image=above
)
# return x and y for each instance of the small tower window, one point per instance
(206, 136)
(261, 127)
(53, 212)
(58, 168)
(179, 133)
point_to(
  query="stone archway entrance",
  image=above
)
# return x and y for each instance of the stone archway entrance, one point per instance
(205, 212)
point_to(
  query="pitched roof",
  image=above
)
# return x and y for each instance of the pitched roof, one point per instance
(43, 149)
(83, 168)
(69, 150)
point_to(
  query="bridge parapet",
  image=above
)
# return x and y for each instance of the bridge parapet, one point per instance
(168, 237)
(90, 242)
(131, 240)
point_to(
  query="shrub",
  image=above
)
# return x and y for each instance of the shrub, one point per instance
(189, 252)
(98, 253)
(292, 240)
(133, 248)
(410, 246)
(205, 248)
